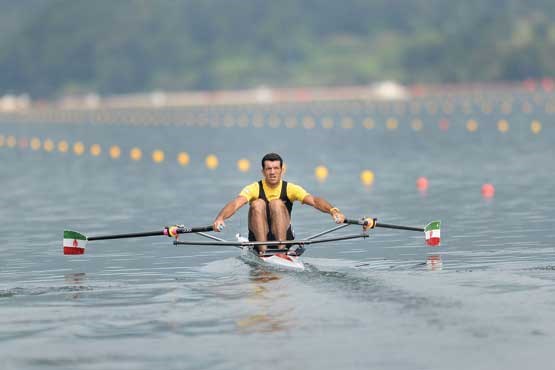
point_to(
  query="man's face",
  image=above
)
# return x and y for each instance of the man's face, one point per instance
(272, 172)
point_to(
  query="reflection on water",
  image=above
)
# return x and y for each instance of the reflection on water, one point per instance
(264, 296)
(261, 323)
(75, 280)
(434, 262)
(431, 262)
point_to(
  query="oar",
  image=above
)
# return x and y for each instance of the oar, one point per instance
(432, 231)
(75, 242)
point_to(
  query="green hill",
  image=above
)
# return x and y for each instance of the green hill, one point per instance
(50, 47)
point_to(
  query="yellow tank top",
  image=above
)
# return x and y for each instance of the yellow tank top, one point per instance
(294, 192)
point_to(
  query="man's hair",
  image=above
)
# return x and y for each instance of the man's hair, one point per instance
(272, 157)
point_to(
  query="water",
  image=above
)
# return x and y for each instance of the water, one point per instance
(483, 300)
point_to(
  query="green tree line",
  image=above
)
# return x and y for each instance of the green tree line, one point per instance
(54, 47)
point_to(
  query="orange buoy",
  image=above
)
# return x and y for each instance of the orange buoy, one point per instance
(488, 190)
(443, 125)
(422, 183)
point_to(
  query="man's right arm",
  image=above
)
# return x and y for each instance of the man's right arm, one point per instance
(228, 211)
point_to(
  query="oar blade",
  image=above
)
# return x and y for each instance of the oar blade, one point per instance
(74, 242)
(433, 233)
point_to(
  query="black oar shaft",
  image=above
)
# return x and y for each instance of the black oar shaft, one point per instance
(399, 227)
(387, 226)
(123, 236)
(180, 230)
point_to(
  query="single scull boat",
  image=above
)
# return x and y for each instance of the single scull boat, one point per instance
(288, 257)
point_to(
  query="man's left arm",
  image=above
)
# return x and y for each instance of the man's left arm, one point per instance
(324, 206)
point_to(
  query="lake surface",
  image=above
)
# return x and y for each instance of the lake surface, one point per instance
(484, 299)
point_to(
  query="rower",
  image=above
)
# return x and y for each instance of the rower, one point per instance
(271, 202)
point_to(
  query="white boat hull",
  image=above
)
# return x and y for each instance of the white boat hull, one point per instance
(279, 260)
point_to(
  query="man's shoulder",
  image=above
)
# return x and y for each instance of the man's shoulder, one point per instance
(296, 189)
(292, 184)
(250, 191)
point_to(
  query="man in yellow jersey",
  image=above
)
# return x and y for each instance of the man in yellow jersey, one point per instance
(271, 200)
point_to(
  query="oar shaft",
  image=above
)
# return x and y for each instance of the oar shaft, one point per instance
(399, 227)
(130, 235)
(387, 226)
(181, 230)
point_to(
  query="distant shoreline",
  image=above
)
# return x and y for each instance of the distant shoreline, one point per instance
(262, 96)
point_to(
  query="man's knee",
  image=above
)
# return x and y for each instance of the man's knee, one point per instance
(258, 206)
(277, 205)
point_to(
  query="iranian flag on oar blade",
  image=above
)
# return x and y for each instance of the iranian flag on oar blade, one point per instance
(433, 233)
(74, 242)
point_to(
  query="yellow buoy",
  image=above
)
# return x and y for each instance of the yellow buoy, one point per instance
(321, 173)
(503, 126)
(536, 127)
(367, 177)
(347, 123)
(309, 123)
(471, 125)
(274, 121)
(447, 108)
(486, 108)
(95, 150)
(416, 125)
(506, 107)
(368, 123)
(229, 121)
(211, 162)
(327, 123)
(243, 121)
(63, 146)
(392, 124)
(11, 141)
(1, 140)
(243, 165)
(136, 154)
(48, 145)
(115, 152)
(467, 107)
(291, 122)
(78, 148)
(415, 108)
(183, 158)
(35, 143)
(158, 156)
